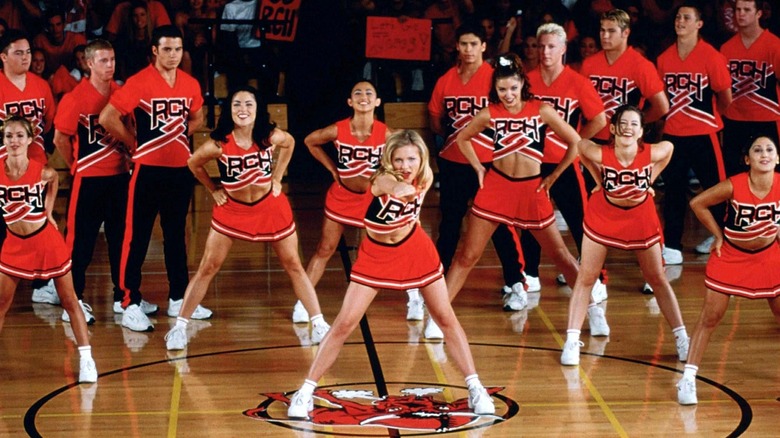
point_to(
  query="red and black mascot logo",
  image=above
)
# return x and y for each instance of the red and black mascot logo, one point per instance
(416, 409)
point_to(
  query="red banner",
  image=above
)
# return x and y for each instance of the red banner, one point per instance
(391, 38)
(282, 10)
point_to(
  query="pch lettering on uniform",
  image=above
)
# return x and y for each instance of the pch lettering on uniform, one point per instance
(747, 214)
(613, 178)
(95, 129)
(564, 106)
(750, 68)
(617, 87)
(30, 195)
(29, 109)
(236, 165)
(679, 82)
(464, 105)
(527, 126)
(165, 109)
(349, 153)
(394, 210)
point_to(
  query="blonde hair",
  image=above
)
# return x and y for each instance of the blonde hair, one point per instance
(406, 137)
(619, 16)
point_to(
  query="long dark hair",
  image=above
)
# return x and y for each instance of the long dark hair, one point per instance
(505, 66)
(262, 128)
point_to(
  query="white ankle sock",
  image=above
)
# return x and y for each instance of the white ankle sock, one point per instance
(472, 381)
(85, 351)
(689, 372)
(317, 320)
(572, 335)
(308, 387)
(181, 322)
(414, 294)
(680, 332)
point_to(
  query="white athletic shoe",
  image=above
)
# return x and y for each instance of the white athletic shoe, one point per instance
(300, 315)
(672, 256)
(300, 406)
(517, 299)
(174, 306)
(146, 307)
(176, 338)
(705, 246)
(599, 292)
(87, 313)
(686, 392)
(87, 370)
(598, 321)
(136, 320)
(46, 294)
(415, 310)
(647, 289)
(432, 330)
(480, 401)
(318, 332)
(570, 355)
(533, 283)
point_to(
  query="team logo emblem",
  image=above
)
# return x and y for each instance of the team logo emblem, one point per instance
(415, 409)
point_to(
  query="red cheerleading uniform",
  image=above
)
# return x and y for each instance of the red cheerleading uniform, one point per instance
(458, 103)
(630, 80)
(42, 254)
(515, 201)
(161, 115)
(355, 159)
(749, 274)
(754, 78)
(35, 103)
(269, 219)
(691, 85)
(629, 228)
(573, 97)
(411, 263)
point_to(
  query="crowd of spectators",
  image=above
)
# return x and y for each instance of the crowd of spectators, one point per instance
(58, 28)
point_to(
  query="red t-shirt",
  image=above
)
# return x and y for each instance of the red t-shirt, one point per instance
(573, 97)
(456, 103)
(161, 115)
(630, 80)
(691, 85)
(95, 151)
(35, 103)
(754, 84)
(62, 54)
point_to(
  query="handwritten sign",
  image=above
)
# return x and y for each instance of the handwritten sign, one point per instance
(280, 10)
(390, 38)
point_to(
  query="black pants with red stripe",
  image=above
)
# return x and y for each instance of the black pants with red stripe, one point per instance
(702, 153)
(154, 190)
(567, 192)
(96, 201)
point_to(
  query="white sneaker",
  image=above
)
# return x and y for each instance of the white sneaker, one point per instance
(432, 330)
(647, 289)
(87, 370)
(176, 338)
(87, 313)
(570, 355)
(598, 321)
(318, 332)
(146, 307)
(599, 292)
(134, 319)
(682, 348)
(533, 283)
(300, 315)
(200, 312)
(686, 392)
(480, 401)
(517, 299)
(672, 256)
(46, 294)
(561, 280)
(414, 310)
(300, 406)
(705, 246)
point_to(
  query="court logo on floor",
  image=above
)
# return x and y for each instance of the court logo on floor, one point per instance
(338, 411)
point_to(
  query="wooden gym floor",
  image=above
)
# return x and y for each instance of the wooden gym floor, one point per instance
(240, 364)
